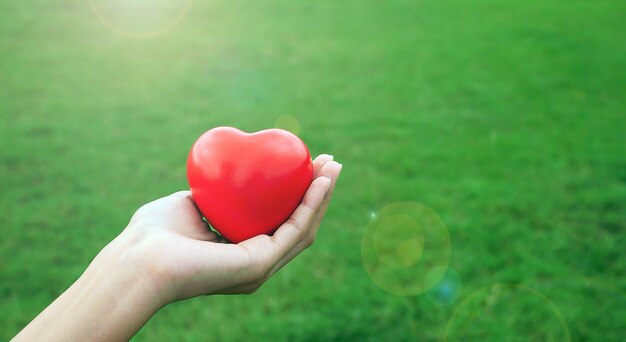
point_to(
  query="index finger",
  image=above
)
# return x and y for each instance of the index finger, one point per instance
(296, 227)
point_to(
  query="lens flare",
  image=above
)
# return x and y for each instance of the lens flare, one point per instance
(403, 242)
(447, 289)
(507, 312)
(140, 18)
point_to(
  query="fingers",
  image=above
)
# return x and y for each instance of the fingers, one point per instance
(255, 260)
(306, 235)
(319, 162)
(188, 218)
(176, 212)
(332, 171)
(297, 226)
(264, 252)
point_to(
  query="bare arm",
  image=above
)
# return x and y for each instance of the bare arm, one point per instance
(167, 254)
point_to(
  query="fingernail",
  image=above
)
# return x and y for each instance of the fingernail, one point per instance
(331, 157)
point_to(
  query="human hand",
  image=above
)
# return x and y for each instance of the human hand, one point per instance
(180, 257)
(168, 253)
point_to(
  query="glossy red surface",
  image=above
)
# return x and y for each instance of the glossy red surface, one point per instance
(247, 184)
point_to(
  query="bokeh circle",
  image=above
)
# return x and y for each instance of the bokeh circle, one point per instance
(289, 123)
(506, 312)
(447, 289)
(166, 13)
(402, 244)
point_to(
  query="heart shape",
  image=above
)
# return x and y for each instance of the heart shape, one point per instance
(247, 184)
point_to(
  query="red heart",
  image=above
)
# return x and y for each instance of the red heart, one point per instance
(247, 184)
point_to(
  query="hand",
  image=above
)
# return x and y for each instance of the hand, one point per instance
(183, 258)
(168, 253)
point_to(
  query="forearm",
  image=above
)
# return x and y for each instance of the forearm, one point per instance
(111, 301)
(168, 253)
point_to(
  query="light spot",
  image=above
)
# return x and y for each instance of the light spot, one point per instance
(140, 18)
(511, 312)
(401, 244)
(447, 289)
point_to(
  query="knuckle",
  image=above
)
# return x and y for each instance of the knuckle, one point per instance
(292, 222)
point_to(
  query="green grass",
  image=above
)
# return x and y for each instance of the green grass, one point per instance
(507, 118)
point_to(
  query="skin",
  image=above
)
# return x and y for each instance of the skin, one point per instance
(167, 253)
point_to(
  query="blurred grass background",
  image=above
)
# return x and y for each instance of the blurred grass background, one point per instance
(507, 118)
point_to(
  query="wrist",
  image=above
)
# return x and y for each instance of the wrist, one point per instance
(121, 271)
(110, 301)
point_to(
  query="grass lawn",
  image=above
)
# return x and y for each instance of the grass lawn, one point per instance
(506, 118)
